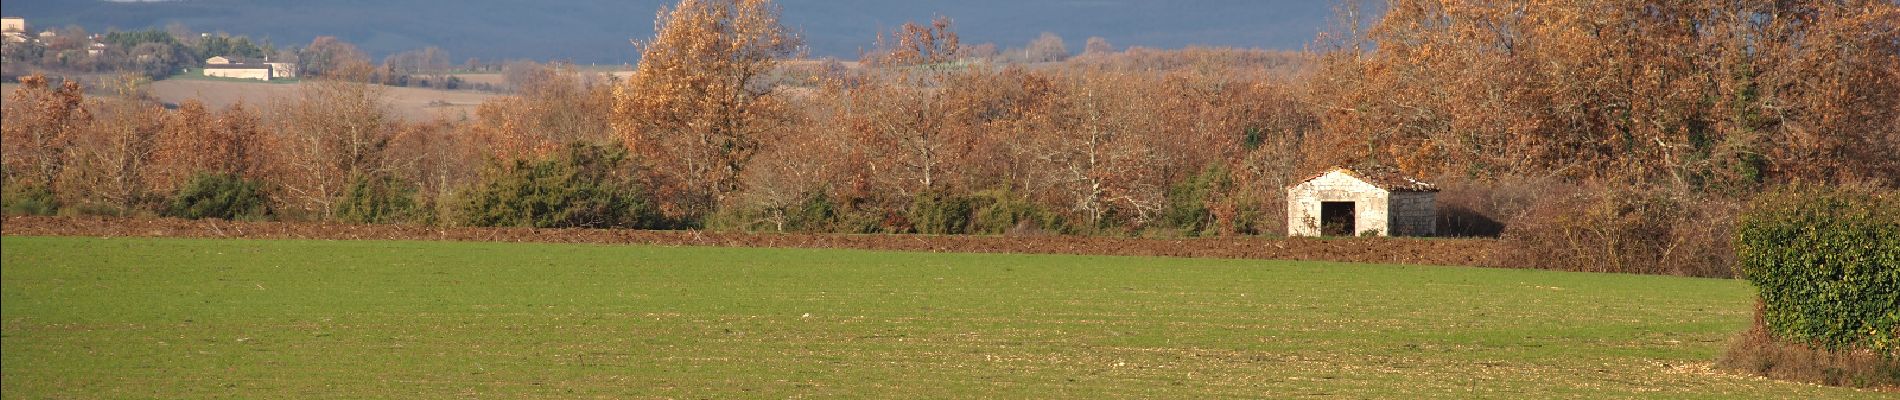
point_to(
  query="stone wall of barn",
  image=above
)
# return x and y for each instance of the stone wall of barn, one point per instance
(1413, 214)
(282, 70)
(1303, 202)
(262, 74)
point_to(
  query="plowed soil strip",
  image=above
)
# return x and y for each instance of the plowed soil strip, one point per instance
(1472, 252)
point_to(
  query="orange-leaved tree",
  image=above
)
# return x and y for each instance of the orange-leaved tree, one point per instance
(695, 106)
(41, 123)
(110, 158)
(553, 106)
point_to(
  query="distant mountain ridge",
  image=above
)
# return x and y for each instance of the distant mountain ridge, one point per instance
(598, 31)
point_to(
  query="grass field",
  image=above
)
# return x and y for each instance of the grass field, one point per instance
(176, 318)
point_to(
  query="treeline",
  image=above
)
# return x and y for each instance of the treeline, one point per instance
(1637, 131)
(151, 53)
(1617, 136)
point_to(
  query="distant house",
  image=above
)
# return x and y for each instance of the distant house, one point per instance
(14, 28)
(234, 67)
(243, 71)
(282, 70)
(1371, 201)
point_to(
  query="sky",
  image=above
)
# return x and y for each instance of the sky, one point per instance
(599, 31)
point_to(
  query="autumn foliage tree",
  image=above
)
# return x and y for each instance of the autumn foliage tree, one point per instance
(1720, 94)
(42, 121)
(695, 107)
(327, 55)
(196, 140)
(112, 159)
(553, 106)
(332, 134)
(917, 44)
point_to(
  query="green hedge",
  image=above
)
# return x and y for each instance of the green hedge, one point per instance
(379, 200)
(939, 213)
(1188, 201)
(998, 212)
(815, 214)
(1827, 263)
(224, 196)
(28, 200)
(588, 186)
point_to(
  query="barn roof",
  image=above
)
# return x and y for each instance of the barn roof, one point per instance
(237, 66)
(1390, 179)
(234, 60)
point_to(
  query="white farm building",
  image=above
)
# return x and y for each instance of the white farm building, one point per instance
(1350, 202)
(233, 67)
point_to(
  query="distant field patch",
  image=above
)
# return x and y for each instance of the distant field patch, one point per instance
(196, 318)
(414, 104)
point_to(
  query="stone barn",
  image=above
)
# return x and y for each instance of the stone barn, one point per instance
(260, 72)
(1350, 202)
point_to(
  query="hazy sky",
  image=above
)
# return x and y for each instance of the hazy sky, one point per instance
(597, 31)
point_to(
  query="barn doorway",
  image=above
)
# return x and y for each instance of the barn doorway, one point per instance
(1337, 218)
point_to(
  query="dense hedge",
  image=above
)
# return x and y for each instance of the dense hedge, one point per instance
(1187, 201)
(588, 186)
(1827, 263)
(1623, 229)
(1000, 212)
(379, 200)
(28, 200)
(224, 196)
(938, 213)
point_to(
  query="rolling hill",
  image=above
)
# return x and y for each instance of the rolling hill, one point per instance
(597, 31)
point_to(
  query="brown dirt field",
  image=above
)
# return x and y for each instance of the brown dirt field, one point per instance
(492, 79)
(1472, 252)
(413, 104)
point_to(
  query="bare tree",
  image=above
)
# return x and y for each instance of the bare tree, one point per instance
(1046, 48)
(1097, 46)
(914, 44)
(332, 133)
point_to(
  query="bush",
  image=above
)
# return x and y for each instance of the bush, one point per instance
(588, 186)
(939, 213)
(1826, 262)
(858, 217)
(816, 213)
(224, 196)
(1240, 213)
(29, 200)
(1483, 208)
(1187, 201)
(999, 212)
(1759, 352)
(1623, 230)
(379, 200)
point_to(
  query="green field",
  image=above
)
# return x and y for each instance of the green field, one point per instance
(177, 318)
